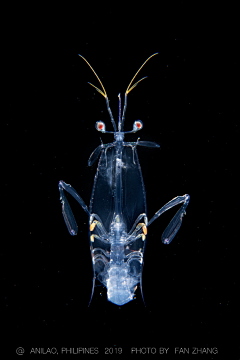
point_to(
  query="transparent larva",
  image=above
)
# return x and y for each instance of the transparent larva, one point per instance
(118, 222)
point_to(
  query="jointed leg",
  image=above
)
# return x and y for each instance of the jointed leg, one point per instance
(174, 225)
(66, 209)
(100, 227)
(133, 233)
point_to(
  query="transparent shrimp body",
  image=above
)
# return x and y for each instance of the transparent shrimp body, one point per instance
(117, 213)
(118, 198)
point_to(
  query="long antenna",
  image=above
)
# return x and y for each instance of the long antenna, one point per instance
(133, 86)
(104, 93)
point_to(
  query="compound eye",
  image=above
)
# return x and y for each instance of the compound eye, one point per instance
(138, 125)
(100, 126)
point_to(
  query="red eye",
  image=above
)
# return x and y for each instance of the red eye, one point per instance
(137, 125)
(100, 126)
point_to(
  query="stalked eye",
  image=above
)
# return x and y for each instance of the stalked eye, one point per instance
(100, 126)
(138, 125)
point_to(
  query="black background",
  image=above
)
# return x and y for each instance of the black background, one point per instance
(188, 105)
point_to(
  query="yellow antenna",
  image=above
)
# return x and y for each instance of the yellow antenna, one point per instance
(104, 94)
(128, 90)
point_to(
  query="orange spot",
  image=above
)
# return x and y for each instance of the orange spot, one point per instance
(144, 229)
(92, 226)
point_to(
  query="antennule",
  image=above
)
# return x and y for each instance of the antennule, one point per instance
(128, 90)
(104, 93)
